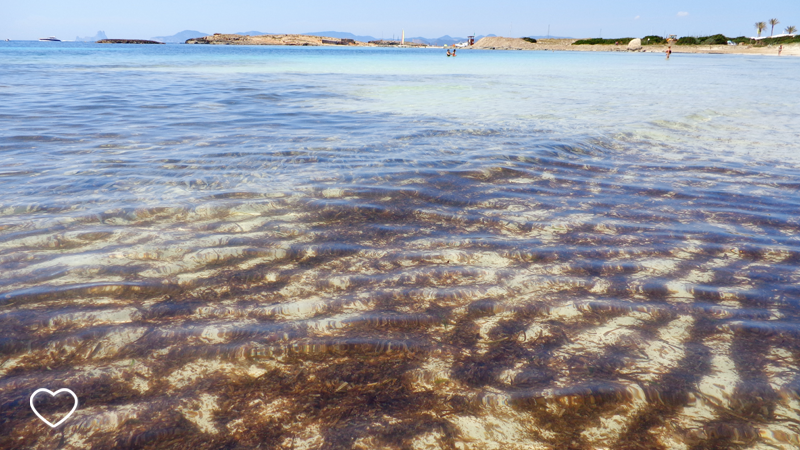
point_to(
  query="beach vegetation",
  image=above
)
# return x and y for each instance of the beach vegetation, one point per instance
(528, 39)
(601, 41)
(779, 40)
(653, 40)
(791, 29)
(716, 39)
(760, 26)
(773, 22)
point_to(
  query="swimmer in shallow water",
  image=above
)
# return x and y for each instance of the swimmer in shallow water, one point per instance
(454, 52)
(448, 52)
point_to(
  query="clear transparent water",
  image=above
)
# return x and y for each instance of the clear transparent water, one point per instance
(384, 248)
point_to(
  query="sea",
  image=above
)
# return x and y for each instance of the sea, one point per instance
(388, 248)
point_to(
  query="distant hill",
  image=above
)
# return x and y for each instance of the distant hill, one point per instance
(180, 38)
(341, 35)
(97, 37)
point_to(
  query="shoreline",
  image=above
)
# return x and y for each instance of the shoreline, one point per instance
(500, 43)
(494, 43)
(488, 43)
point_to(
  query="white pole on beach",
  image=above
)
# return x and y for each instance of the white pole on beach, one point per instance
(403, 40)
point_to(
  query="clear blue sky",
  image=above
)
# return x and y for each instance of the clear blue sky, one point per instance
(22, 19)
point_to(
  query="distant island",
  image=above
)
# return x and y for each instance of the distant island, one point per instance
(97, 37)
(127, 41)
(272, 39)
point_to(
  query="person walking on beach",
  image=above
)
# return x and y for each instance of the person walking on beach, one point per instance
(780, 49)
(669, 51)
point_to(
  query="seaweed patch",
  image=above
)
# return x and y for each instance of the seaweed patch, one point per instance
(531, 303)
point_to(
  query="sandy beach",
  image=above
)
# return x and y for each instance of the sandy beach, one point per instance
(503, 43)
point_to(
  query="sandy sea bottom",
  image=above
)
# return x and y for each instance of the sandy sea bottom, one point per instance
(327, 249)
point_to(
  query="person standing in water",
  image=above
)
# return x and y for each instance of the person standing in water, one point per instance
(448, 52)
(454, 52)
(669, 51)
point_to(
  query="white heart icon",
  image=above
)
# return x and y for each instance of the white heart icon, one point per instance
(54, 394)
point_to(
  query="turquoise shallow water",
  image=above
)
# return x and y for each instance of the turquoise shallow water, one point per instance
(388, 248)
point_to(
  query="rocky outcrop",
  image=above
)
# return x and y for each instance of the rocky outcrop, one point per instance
(635, 45)
(339, 41)
(272, 39)
(127, 41)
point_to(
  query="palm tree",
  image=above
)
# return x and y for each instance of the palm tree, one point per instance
(791, 29)
(773, 22)
(760, 26)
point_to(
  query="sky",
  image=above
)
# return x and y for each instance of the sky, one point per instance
(143, 19)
